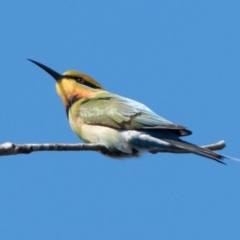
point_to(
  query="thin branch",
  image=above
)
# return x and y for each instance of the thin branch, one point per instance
(216, 146)
(13, 149)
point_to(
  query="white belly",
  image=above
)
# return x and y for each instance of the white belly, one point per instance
(120, 143)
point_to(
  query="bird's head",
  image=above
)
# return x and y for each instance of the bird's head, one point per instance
(72, 85)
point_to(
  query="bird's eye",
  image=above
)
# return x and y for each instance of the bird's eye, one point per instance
(80, 80)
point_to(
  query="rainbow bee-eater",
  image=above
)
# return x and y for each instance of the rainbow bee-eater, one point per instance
(125, 127)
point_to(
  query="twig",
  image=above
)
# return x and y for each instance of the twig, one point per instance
(216, 146)
(13, 149)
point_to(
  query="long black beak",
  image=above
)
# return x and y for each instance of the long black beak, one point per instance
(54, 74)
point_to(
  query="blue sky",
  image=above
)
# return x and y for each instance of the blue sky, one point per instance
(181, 58)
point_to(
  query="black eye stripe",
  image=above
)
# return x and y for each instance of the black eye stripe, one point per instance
(83, 81)
(90, 85)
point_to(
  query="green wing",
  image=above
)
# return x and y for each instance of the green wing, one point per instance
(122, 113)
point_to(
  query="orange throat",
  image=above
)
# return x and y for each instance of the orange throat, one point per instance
(69, 91)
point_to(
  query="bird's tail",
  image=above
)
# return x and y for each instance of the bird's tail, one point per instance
(189, 147)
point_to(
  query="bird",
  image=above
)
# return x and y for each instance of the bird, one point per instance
(126, 128)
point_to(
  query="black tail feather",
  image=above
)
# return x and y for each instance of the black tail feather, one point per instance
(196, 149)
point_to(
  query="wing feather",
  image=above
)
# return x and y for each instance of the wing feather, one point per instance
(118, 112)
